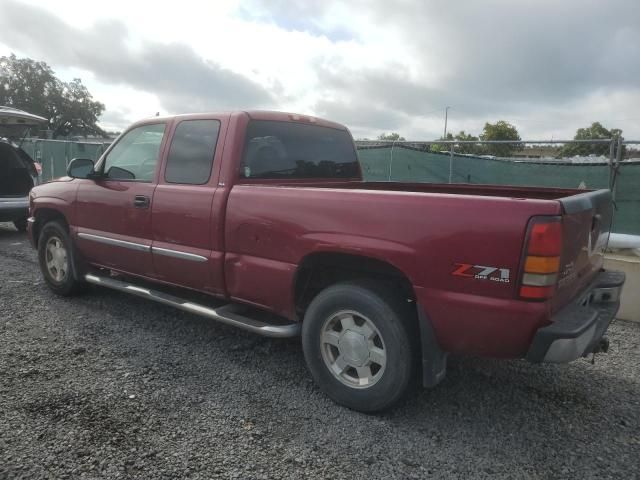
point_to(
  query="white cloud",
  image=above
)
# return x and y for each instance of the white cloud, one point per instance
(377, 66)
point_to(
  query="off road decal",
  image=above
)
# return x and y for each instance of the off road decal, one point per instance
(482, 272)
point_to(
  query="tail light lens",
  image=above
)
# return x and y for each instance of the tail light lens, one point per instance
(542, 258)
(38, 168)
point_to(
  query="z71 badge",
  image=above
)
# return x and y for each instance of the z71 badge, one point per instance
(482, 272)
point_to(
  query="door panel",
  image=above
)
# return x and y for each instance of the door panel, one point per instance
(105, 210)
(113, 213)
(181, 236)
(185, 250)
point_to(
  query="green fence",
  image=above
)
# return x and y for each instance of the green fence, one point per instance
(55, 155)
(409, 165)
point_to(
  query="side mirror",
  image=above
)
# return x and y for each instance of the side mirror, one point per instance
(80, 168)
(118, 173)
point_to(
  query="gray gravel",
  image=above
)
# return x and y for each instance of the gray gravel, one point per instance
(110, 386)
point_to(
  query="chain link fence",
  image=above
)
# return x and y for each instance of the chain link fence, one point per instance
(55, 155)
(415, 161)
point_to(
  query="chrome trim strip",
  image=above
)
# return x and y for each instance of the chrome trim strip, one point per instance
(178, 254)
(221, 314)
(31, 219)
(115, 242)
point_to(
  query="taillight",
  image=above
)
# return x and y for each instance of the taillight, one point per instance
(542, 258)
(38, 168)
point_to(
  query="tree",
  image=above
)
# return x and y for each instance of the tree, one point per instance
(391, 136)
(467, 147)
(32, 86)
(442, 147)
(462, 148)
(500, 130)
(595, 131)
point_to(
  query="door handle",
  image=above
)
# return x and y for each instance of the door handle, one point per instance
(141, 201)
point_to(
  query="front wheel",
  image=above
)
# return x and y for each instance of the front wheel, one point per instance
(56, 256)
(358, 345)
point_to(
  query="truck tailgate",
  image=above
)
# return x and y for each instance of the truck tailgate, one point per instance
(586, 223)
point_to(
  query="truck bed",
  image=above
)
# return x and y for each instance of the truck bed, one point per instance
(540, 193)
(425, 231)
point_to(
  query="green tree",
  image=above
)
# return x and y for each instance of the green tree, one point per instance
(466, 147)
(391, 136)
(442, 147)
(501, 130)
(32, 86)
(595, 131)
(463, 148)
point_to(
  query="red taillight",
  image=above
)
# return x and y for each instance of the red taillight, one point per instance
(545, 239)
(542, 258)
(38, 168)
(536, 293)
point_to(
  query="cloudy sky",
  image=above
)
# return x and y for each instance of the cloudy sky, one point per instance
(547, 66)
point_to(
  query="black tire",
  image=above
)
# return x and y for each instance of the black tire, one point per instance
(64, 284)
(397, 328)
(20, 224)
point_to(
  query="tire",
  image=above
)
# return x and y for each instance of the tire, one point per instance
(20, 224)
(56, 258)
(354, 325)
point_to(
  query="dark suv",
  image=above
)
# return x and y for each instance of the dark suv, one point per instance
(18, 171)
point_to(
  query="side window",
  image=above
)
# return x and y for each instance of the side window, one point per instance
(135, 156)
(192, 150)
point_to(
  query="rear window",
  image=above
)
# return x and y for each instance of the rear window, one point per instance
(293, 150)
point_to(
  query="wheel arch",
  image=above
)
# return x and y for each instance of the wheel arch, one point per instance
(319, 270)
(44, 215)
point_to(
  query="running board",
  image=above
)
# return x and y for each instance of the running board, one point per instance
(223, 314)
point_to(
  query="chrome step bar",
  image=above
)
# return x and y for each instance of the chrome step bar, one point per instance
(223, 314)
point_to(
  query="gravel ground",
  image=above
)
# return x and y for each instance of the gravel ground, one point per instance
(110, 386)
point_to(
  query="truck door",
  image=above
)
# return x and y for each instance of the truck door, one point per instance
(113, 213)
(186, 248)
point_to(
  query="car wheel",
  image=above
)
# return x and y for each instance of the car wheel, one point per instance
(56, 256)
(20, 224)
(359, 345)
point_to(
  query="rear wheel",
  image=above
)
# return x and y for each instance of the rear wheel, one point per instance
(56, 256)
(20, 224)
(358, 345)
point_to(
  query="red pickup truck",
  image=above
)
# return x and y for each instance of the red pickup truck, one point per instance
(262, 220)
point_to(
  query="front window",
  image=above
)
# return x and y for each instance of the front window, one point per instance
(135, 156)
(293, 150)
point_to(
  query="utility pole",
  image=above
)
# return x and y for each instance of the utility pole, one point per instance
(446, 114)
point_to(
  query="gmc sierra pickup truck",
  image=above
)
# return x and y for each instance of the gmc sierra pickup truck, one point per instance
(262, 220)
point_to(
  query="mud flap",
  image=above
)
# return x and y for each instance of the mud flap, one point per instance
(434, 359)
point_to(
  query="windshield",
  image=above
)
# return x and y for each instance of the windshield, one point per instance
(276, 149)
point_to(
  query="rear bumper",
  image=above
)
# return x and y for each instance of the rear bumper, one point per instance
(13, 209)
(577, 329)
